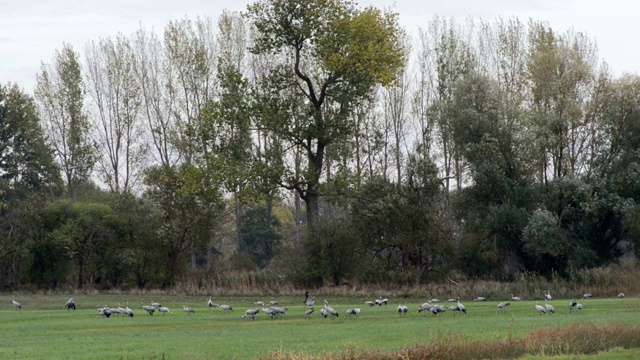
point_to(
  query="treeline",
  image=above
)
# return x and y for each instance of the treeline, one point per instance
(321, 144)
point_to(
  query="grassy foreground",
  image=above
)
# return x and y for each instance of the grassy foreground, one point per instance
(44, 330)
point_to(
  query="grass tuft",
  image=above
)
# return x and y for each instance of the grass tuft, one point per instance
(577, 339)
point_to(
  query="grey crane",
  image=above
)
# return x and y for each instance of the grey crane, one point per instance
(547, 296)
(381, 301)
(189, 310)
(461, 307)
(329, 309)
(540, 308)
(621, 295)
(351, 312)
(480, 298)
(402, 310)
(324, 313)
(269, 312)
(251, 313)
(70, 304)
(155, 304)
(122, 311)
(127, 310)
(308, 299)
(210, 303)
(226, 308)
(370, 303)
(502, 305)
(437, 309)
(278, 311)
(453, 308)
(550, 309)
(587, 296)
(149, 309)
(574, 304)
(259, 303)
(515, 298)
(424, 307)
(15, 303)
(434, 300)
(452, 300)
(105, 311)
(273, 303)
(308, 313)
(164, 310)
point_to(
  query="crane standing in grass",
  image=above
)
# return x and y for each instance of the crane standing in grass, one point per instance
(251, 313)
(329, 309)
(15, 303)
(188, 310)
(149, 309)
(550, 309)
(70, 304)
(502, 305)
(547, 296)
(540, 309)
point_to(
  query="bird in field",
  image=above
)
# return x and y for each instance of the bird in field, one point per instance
(274, 303)
(550, 309)
(424, 307)
(621, 295)
(352, 312)
(329, 309)
(402, 310)
(381, 301)
(452, 300)
(324, 313)
(251, 313)
(547, 296)
(434, 300)
(308, 299)
(105, 311)
(540, 308)
(70, 304)
(15, 303)
(148, 308)
(259, 303)
(437, 309)
(370, 303)
(226, 308)
(270, 313)
(454, 308)
(155, 304)
(515, 298)
(164, 310)
(278, 311)
(587, 296)
(502, 305)
(480, 298)
(308, 313)
(127, 310)
(579, 306)
(122, 311)
(188, 310)
(461, 307)
(210, 303)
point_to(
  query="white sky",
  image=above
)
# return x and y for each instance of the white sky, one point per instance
(31, 30)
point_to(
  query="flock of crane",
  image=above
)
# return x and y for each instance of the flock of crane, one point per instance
(274, 310)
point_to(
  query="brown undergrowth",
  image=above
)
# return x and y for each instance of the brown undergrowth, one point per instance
(576, 339)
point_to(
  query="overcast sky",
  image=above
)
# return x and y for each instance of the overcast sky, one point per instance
(31, 30)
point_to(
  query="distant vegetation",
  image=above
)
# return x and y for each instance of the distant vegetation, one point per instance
(304, 145)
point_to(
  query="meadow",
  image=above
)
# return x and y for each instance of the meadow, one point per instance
(43, 329)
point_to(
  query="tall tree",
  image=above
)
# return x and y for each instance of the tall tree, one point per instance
(60, 92)
(26, 162)
(336, 54)
(116, 95)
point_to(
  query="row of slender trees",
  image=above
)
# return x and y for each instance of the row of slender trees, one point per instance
(464, 149)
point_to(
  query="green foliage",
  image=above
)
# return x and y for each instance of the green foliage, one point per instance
(259, 235)
(26, 162)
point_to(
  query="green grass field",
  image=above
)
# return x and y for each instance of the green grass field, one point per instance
(43, 329)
